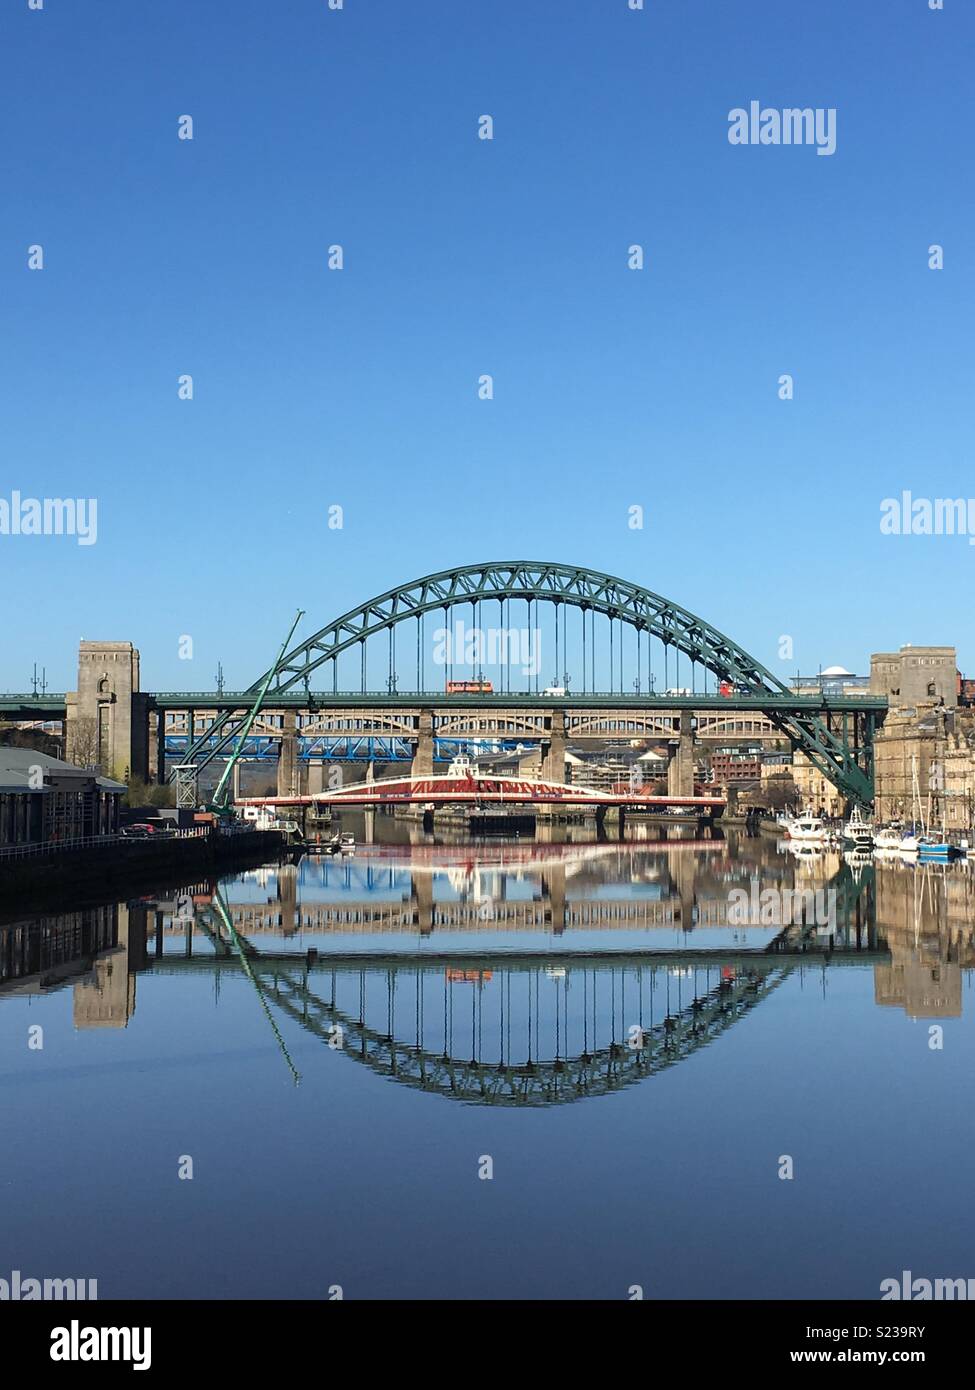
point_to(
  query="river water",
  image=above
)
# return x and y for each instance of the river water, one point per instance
(552, 1068)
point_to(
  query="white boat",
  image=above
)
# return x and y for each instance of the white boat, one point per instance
(896, 839)
(808, 828)
(859, 829)
(265, 818)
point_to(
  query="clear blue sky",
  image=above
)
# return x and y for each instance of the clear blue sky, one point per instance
(464, 257)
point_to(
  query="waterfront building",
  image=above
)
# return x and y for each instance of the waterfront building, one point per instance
(916, 675)
(910, 763)
(43, 798)
(813, 789)
(735, 768)
(959, 777)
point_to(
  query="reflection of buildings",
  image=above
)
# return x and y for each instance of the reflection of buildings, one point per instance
(107, 1000)
(920, 988)
(928, 918)
(96, 950)
(914, 925)
(552, 889)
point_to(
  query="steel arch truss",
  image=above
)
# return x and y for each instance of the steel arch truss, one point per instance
(533, 1082)
(836, 757)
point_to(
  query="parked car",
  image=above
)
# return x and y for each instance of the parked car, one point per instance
(144, 830)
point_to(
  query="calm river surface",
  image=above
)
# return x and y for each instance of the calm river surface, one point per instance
(512, 1069)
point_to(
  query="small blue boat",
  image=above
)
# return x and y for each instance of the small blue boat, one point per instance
(933, 849)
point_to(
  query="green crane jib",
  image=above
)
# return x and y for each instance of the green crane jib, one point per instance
(220, 796)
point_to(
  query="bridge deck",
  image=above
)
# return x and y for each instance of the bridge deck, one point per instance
(53, 705)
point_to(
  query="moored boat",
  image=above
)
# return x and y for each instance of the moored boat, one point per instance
(895, 838)
(808, 828)
(935, 849)
(859, 829)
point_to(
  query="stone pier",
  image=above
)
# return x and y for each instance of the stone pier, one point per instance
(680, 769)
(553, 751)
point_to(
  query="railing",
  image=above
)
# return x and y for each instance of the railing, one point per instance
(33, 849)
(31, 697)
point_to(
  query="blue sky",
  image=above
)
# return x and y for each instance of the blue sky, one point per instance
(613, 388)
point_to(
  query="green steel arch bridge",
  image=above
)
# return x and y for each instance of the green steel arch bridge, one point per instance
(835, 734)
(634, 656)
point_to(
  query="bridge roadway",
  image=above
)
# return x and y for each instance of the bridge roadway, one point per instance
(51, 706)
(310, 725)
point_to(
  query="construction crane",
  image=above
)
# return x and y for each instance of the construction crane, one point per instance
(220, 798)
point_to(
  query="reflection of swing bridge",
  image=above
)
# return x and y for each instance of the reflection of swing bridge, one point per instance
(397, 899)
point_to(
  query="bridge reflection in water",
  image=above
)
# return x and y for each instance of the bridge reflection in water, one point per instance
(556, 889)
(553, 1015)
(511, 1032)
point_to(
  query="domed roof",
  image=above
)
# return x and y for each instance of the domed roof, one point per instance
(837, 671)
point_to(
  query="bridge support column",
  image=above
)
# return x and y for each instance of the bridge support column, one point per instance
(157, 763)
(680, 769)
(553, 884)
(684, 882)
(553, 754)
(421, 900)
(107, 719)
(288, 756)
(288, 898)
(422, 764)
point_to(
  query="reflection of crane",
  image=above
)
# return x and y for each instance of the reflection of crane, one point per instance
(244, 950)
(219, 800)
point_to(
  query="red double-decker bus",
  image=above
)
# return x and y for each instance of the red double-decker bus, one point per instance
(470, 688)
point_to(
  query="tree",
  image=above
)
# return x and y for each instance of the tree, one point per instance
(779, 792)
(82, 741)
(13, 737)
(162, 794)
(140, 793)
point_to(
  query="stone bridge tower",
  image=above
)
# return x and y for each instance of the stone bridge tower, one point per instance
(107, 716)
